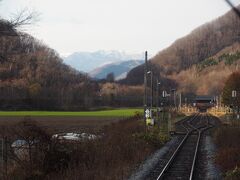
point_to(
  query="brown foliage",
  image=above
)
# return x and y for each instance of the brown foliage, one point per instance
(32, 152)
(112, 157)
(178, 62)
(232, 83)
(202, 43)
(32, 76)
(228, 158)
(121, 95)
(209, 81)
(228, 144)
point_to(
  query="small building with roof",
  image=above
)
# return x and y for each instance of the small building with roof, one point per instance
(204, 102)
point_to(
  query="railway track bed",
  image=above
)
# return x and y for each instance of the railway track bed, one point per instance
(180, 161)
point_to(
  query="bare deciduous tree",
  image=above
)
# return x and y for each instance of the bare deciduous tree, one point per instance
(23, 18)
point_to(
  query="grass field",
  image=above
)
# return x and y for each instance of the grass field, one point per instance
(104, 113)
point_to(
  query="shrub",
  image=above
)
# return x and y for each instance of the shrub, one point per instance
(155, 137)
(121, 148)
(228, 147)
(111, 157)
(228, 158)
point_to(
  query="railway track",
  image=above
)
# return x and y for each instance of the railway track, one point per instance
(182, 163)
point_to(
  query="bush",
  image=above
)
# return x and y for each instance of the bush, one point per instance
(121, 148)
(228, 144)
(37, 156)
(111, 157)
(227, 137)
(155, 137)
(228, 158)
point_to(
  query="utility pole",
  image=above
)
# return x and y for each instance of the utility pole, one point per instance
(175, 102)
(220, 101)
(145, 103)
(163, 105)
(158, 83)
(151, 89)
(234, 96)
(235, 103)
(174, 97)
(180, 101)
(151, 76)
(151, 107)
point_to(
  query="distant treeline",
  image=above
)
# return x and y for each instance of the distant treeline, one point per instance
(33, 76)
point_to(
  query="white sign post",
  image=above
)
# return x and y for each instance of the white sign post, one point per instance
(147, 113)
(148, 116)
(165, 94)
(234, 93)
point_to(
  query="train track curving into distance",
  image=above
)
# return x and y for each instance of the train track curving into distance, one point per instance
(181, 164)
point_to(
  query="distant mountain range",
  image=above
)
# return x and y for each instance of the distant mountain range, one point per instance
(89, 61)
(119, 69)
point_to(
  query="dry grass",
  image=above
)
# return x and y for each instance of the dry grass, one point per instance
(112, 157)
(65, 124)
(228, 144)
(122, 147)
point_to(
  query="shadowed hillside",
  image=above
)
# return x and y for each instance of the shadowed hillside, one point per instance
(119, 69)
(32, 76)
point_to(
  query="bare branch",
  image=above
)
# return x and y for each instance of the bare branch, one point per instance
(23, 18)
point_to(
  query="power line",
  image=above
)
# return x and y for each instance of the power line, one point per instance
(236, 10)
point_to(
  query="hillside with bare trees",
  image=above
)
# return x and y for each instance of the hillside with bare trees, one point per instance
(32, 76)
(208, 54)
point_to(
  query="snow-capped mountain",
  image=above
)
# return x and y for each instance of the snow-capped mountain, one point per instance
(119, 69)
(88, 61)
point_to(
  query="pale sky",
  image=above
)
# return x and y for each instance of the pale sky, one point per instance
(125, 25)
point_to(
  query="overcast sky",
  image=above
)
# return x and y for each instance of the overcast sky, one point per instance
(126, 25)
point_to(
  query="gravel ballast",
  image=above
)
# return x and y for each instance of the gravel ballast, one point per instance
(145, 171)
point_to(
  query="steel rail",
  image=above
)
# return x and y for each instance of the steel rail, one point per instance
(197, 148)
(178, 148)
(200, 130)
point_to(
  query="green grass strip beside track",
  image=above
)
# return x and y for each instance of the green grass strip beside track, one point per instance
(104, 113)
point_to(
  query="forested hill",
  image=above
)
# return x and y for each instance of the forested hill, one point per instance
(200, 44)
(32, 76)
